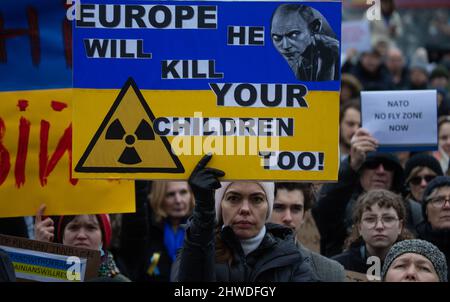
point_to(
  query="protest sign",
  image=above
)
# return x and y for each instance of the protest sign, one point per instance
(356, 35)
(36, 118)
(158, 85)
(403, 120)
(50, 262)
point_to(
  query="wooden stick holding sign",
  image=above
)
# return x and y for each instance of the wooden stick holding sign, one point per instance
(50, 262)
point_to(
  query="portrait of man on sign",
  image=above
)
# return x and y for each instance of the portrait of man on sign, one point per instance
(303, 37)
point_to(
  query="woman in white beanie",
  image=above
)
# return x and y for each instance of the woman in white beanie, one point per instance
(241, 246)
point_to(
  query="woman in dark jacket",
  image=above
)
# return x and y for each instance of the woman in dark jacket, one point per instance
(151, 237)
(436, 210)
(379, 217)
(242, 247)
(85, 231)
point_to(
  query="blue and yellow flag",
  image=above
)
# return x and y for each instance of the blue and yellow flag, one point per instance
(36, 117)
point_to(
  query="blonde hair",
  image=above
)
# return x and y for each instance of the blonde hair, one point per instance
(157, 196)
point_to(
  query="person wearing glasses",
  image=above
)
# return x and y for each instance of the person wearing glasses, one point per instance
(379, 217)
(363, 171)
(436, 211)
(420, 169)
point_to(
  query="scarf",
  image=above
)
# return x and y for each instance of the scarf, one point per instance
(173, 240)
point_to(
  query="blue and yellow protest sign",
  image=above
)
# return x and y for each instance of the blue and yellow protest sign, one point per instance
(36, 118)
(50, 262)
(157, 84)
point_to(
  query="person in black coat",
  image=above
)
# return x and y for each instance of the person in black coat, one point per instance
(242, 246)
(380, 219)
(362, 171)
(436, 211)
(151, 237)
(372, 73)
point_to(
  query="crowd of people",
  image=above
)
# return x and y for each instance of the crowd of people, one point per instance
(391, 210)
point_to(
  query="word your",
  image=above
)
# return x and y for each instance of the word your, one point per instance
(260, 95)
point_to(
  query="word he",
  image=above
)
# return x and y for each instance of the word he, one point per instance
(189, 69)
(108, 48)
(246, 35)
(259, 95)
(147, 16)
(293, 160)
(233, 126)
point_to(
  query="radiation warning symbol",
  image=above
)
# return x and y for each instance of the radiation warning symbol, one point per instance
(125, 141)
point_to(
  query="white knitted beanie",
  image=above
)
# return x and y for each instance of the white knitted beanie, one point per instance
(268, 187)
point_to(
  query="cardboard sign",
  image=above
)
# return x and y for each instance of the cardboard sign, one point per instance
(36, 118)
(158, 85)
(351, 276)
(403, 120)
(50, 262)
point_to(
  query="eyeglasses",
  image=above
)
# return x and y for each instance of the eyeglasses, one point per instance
(417, 180)
(387, 221)
(439, 201)
(388, 166)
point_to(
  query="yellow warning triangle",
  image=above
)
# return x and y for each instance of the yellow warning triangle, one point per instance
(125, 141)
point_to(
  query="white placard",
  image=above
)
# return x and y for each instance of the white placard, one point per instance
(401, 120)
(355, 34)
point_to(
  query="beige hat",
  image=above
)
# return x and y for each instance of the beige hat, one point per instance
(268, 187)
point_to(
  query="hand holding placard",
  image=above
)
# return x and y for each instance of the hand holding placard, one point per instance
(362, 143)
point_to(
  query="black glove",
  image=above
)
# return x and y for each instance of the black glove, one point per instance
(204, 181)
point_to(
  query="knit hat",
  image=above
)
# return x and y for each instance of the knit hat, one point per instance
(268, 187)
(103, 220)
(422, 160)
(421, 247)
(438, 72)
(440, 181)
(419, 65)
